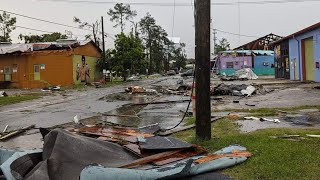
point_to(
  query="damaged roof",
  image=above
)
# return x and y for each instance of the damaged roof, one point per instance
(8, 48)
(249, 52)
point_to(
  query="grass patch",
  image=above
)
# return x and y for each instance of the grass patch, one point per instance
(16, 99)
(272, 158)
(268, 111)
(190, 121)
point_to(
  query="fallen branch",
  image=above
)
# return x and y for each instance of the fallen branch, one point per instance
(15, 132)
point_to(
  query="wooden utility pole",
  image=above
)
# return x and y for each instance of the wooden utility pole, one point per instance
(103, 46)
(202, 72)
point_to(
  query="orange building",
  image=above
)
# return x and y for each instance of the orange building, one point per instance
(40, 65)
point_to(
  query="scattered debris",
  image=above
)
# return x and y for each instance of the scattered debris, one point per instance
(316, 87)
(50, 89)
(289, 137)
(313, 136)
(138, 89)
(179, 170)
(161, 102)
(246, 73)
(5, 129)
(6, 136)
(119, 115)
(3, 94)
(250, 104)
(158, 143)
(133, 78)
(234, 116)
(248, 91)
(76, 119)
(262, 119)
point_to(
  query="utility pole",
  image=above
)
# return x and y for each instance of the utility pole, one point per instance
(103, 46)
(202, 70)
(214, 40)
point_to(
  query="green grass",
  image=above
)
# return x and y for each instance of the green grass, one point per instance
(268, 111)
(190, 121)
(272, 158)
(16, 99)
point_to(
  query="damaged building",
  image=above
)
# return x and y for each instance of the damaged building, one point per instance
(39, 65)
(300, 55)
(260, 61)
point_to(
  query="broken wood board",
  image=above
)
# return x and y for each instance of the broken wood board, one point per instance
(150, 159)
(211, 157)
(15, 133)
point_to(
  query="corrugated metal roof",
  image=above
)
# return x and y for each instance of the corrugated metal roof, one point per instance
(248, 52)
(12, 48)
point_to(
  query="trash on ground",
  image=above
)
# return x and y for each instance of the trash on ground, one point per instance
(242, 74)
(234, 116)
(138, 89)
(5, 129)
(313, 136)
(51, 88)
(289, 137)
(3, 94)
(133, 78)
(76, 119)
(181, 169)
(237, 90)
(262, 119)
(158, 143)
(5, 136)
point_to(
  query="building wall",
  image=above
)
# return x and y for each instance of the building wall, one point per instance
(295, 54)
(19, 74)
(264, 65)
(238, 63)
(91, 61)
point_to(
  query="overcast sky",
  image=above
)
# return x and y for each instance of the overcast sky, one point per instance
(255, 20)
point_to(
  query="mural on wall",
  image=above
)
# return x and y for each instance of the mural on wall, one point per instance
(83, 71)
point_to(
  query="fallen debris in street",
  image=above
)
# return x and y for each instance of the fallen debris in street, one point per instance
(138, 89)
(3, 94)
(242, 75)
(161, 102)
(262, 119)
(66, 155)
(50, 89)
(313, 136)
(5, 136)
(5, 129)
(188, 167)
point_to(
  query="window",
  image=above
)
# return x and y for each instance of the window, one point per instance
(237, 63)
(36, 68)
(15, 68)
(230, 65)
(7, 70)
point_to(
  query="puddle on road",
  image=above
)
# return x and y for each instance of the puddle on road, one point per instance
(302, 120)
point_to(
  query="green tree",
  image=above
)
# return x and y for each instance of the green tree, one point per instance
(179, 56)
(120, 14)
(223, 45)
(7, 25)
(157, 43)
(93, 26)
(128, 54)
(42, 38)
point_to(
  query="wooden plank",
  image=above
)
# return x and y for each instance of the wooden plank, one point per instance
(15, 132)
(149, 159)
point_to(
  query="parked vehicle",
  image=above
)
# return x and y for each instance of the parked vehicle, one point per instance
(187, 73)
(171, 73)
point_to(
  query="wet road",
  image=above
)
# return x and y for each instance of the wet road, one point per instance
(58, 109)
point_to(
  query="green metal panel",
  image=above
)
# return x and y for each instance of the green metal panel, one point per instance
(309, 59)
(36, 72)
(264, 71)
(227, 71)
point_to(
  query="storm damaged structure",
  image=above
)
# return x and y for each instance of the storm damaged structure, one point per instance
(38, 65)
(260, 61)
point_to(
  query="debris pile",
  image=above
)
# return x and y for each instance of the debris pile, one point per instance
(138, 89)
(237, 90)
(242, 74)
(116, 153)
(3, 94)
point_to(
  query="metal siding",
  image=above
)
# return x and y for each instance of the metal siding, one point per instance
(260, 69)
(293, 51)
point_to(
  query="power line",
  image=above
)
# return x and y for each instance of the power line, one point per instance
(236, 34)
(28, 28)
(184, 4)
(43, 20)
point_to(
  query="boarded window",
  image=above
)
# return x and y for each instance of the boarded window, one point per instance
(230, 65)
